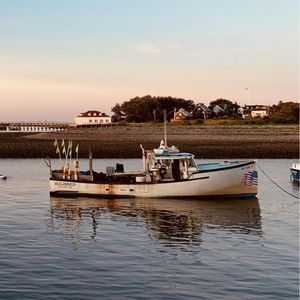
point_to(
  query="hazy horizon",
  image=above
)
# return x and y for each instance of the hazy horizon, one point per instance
(61, 58)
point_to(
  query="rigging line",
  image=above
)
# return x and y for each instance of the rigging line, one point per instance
(46, 163)
(278, 185)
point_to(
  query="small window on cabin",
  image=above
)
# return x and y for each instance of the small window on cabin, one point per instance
(96, 121)
(90, 121)
(191, 163)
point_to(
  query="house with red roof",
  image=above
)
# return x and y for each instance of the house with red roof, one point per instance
(92, 118)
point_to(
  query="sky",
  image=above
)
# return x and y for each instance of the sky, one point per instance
(60, 58)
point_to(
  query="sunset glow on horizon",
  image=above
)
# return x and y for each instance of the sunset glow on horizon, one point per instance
(62, 58)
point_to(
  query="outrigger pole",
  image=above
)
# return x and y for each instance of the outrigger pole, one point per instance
(76, 163)
(165, 126)
(58, 151)
(70, 154)
(91, 164)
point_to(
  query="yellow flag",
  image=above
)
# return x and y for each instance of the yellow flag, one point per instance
(64, 149)
(62, 142)
(70, 145)
(77, 148)
(55, 142)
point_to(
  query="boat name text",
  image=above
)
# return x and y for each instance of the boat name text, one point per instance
(65, 184)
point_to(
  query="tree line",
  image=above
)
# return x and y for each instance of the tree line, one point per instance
(151, 109)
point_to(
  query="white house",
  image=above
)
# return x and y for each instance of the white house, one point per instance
(254, 111)
(259, 112)
(92, 118)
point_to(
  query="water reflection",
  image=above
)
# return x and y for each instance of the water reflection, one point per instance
(172, 223)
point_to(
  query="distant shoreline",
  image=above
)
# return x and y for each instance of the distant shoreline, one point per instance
(208, 142)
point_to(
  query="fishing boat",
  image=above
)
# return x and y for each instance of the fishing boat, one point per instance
(295, 170)
(2, 176)
(166, 173)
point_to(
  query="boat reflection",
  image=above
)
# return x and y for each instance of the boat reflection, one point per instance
(170, 222)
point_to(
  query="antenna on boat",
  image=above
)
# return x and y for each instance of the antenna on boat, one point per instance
(165, 126)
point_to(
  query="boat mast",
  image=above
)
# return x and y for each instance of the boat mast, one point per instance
(91, 164)
(165, 126)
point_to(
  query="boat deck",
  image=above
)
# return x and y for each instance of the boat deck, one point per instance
(217, 166)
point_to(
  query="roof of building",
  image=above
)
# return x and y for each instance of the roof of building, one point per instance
(222, 106)
(93, 113)
(253, 106)
(259, 109)
(202, 106)
(181, 110)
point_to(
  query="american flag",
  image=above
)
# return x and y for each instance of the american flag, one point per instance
(249, 179)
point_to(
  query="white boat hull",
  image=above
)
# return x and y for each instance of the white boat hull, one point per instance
(238, 179)
(295, 172)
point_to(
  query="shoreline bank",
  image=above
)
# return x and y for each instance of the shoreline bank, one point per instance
(208, 142)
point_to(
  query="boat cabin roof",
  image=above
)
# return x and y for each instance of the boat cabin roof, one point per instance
(180, 155)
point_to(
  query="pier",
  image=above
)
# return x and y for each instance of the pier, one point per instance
(33, 126)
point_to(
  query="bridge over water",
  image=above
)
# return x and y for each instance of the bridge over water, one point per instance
(33, 126)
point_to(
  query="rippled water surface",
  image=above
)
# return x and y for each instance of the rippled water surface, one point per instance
(88, 248)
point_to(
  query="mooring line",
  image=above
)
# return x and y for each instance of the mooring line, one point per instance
(278, 185)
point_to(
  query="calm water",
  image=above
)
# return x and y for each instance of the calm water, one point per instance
(52, 248)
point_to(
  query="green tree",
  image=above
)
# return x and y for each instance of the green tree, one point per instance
(140, 109)
(171, 104)
(118, 112)
(286, 112)
(148, 108)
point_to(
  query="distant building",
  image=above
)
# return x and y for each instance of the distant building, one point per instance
(181, 115)
(260, 112)
(203, 109)
(92, 118)
(254, 111)
(219, 108)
